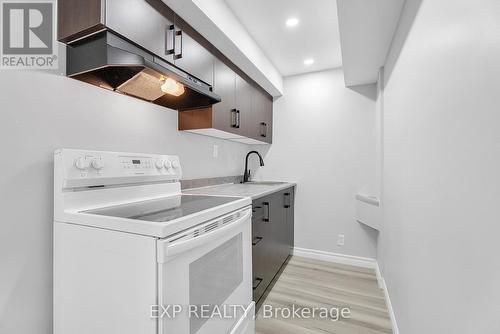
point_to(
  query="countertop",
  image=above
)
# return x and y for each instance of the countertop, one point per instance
(251, 190)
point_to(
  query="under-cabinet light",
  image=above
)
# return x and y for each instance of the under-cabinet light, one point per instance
(172, 87)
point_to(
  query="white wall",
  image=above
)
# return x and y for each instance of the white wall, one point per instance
(41, 112)
(441, 179)
(324, 138)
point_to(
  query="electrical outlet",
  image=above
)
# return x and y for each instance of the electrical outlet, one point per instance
(340, 240)
(215, 151)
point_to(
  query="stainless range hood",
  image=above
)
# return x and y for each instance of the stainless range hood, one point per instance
(110, 62)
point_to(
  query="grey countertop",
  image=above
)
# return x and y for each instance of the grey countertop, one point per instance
(252, 190)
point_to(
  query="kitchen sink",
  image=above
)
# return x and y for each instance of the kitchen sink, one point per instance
(266, 183)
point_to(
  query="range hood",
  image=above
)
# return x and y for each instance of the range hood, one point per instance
(110, 62)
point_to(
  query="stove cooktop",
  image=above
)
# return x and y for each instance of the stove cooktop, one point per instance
(163, 209)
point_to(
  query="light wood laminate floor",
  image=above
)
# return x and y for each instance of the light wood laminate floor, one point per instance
(313, 283)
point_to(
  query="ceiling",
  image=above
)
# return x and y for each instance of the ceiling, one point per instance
(366, 29)
(316, 35)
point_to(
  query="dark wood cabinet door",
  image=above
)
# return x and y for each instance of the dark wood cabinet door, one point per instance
(267, 232)
(262, 263)
(244, 96)
(78, 18)
(267, 119)
(224, 112)
(190, 56)
(290, 217)
(279, 237)
(142, 23)
(262, 117)
(272, 236)
(258, 260)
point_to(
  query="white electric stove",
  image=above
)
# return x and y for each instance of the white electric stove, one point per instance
(132, 254)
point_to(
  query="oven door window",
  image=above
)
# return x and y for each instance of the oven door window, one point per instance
(214, 277)
(209, 277)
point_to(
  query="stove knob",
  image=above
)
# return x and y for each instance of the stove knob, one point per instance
(159, 164)
(97, 164)
(176, 164)
(82, 163)
(168, 164)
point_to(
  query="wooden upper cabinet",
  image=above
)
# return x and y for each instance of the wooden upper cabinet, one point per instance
(190, 55)
(139, 21)
(262, 116)
(224, 117)
(148, 23)
(79, 18)
(243, 104)
(245, 112)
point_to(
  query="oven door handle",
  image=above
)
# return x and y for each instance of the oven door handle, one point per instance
(168, 250)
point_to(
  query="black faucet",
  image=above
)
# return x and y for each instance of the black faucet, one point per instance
(246, 176)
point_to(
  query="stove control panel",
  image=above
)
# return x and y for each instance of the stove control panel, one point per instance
(94, 168)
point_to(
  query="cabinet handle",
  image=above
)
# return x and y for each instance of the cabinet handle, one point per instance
(179, 33)
(256, 282)
(287, 200)
(238, 119)
(267, 207)
(255, 208)
(170, 31)
(234, 118)
(256, 240)
(263, 129)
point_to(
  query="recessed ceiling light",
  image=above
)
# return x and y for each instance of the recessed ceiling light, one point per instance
(309, 61)
(292, 22)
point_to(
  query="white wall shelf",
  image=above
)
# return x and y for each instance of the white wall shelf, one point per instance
(368, 211)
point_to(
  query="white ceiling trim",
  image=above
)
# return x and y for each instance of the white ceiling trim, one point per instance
(366, 28)
(216, 22)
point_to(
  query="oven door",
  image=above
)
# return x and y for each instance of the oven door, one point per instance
(204, 278)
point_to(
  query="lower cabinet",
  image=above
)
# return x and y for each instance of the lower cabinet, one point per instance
(272, 233)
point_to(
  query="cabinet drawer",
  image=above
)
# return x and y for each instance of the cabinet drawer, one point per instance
(257, 213)
(260, 208)
(260, 266)
(263, 248)
(259, 285)
(259, 256)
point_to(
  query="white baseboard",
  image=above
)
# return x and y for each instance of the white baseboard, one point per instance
(358, 261)
(379, 276)
(383, 286)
